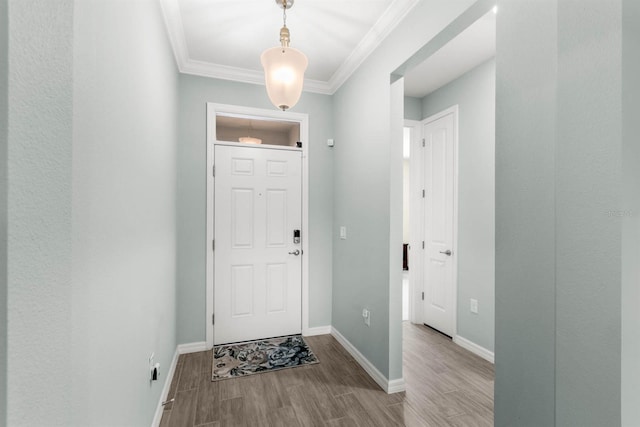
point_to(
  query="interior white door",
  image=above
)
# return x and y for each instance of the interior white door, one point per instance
(257, 263)
(438, 210)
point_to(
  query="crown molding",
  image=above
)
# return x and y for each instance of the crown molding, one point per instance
(175, 31)
(224, 72)
(243, 75)
(387, 22)
(317, 86)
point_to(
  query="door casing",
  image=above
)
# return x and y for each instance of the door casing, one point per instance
(214, 109)
(415, 230)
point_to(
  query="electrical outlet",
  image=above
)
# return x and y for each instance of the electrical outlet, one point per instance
(366, 314)
(473, 305)
(154, 368)
(152, 365)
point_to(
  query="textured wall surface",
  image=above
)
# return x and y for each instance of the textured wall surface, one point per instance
(195, 92)
(367, 266)
(124, 210)
(4, 116)
(525, 214)
(39, 216)
(630, 214)
(588, 188)
(475, 95)
(92, 134)
(558, 194)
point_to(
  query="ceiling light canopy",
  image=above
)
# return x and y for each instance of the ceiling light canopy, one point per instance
(250, 140)
(284, 67)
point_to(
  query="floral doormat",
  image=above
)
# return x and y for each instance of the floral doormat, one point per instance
(254, 357)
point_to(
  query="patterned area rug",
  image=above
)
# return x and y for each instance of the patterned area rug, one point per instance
(254, 357)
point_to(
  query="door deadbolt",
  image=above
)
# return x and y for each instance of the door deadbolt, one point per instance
(296, 237)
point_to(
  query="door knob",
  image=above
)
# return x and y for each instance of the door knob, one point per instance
(296, 252)
(447, 252)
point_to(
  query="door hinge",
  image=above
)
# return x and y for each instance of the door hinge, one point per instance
(213, 316)
(423, 296)
(423, 244)
(213, 245)
(423, 142)
(423, 193)
(213, 170)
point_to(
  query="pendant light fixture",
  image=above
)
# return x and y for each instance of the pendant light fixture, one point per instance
(284, 67)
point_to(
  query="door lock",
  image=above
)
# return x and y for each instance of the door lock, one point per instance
(296, 252)
(296, 237)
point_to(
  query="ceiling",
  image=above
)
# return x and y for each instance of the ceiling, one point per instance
(225, 38)
(469, 49)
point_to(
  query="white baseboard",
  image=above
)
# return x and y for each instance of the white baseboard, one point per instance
(165, 390)
(192, 347)
(318, 330)
(474, 348)
(393, 386)
(396, 386)
(180, 349)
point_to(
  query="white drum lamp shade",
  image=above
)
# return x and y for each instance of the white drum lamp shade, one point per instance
(284, 69)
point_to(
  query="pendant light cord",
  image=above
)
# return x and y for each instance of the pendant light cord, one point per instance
(284, 13)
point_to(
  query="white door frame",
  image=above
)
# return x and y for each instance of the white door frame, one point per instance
(213, 110)
(417, 227)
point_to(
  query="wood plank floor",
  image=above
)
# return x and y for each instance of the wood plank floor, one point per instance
(446, 386)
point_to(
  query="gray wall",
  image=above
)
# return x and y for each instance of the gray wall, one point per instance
(525, 147)
(92, 140)
(412, 108)
(39, 288)
(475, 95)
(195, 92)
(124, 209)
(558, 237)
(630, 212)
(367, 266)
(4, 116)
(588, 186)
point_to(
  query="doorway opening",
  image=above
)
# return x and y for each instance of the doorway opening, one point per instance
(453, 74)
(240, 129)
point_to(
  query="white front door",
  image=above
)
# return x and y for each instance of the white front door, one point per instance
(439, 297)
(257, 263)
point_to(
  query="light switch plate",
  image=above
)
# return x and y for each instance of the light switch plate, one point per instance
(343, 232)
(473, 305)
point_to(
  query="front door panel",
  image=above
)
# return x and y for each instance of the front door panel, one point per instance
(257, 265)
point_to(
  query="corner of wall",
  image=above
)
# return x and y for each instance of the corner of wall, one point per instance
(390, 386)
(4, 113)
(631, 209)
